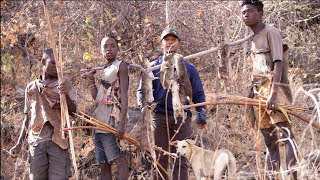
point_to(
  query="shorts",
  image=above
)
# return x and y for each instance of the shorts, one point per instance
(267, 119)
(106, 147)
(48, 161)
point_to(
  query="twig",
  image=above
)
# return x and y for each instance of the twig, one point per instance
(184, 58)
(91, 69)
(63, 100)
(206, 52)
(101, 68)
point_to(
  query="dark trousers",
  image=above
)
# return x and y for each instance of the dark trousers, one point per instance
(49, 162)
(161, 140)
(271, 136)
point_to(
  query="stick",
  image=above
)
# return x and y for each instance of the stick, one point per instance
(101, 68)
(205, 52)
(108, 128)
(241, 98)
(251, 103)
(104, 127)
(63, 100)
(94, 68)
(184, 58)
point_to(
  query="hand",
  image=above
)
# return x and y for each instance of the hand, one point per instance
(199, 125)
(120, 130)
(15, 150)
(271, 102)
(89, 74)
(65, 86)
(201, 119)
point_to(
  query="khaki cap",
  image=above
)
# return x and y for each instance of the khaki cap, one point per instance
(169, 31)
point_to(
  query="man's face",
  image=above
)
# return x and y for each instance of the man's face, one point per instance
(49, 65)
(250, 15)
(170, 43)
(109, 48)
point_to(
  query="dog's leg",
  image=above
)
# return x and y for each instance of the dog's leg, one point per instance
(197, 173)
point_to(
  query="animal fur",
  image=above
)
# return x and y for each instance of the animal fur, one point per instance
(145, 128)
(224, 71)
(207, 163)
(173, 76)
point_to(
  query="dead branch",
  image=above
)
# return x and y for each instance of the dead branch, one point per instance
(184, 58)
(101, 68)
(206, 52)
(309, 21)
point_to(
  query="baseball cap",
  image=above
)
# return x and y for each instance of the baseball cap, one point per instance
(169, 31)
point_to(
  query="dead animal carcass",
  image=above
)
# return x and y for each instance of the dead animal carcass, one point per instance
(173, 76)
(144, 130)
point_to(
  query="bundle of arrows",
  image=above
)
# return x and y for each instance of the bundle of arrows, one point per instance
(221, 99)
(96, 124)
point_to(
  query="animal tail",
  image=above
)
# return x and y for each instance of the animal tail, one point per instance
(232, 166)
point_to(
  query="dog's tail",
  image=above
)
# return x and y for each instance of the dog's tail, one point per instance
(225, 161)
(232, 166)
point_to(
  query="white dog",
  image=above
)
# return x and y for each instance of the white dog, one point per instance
(207, 163)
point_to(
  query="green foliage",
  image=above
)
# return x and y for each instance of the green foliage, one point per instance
(87, 24)
(6, 61)
(86, 56)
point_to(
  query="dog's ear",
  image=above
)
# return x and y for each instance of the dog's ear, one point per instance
(190, 141)
(174, 143)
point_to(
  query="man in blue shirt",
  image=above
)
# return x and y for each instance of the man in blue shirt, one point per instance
(170, 43)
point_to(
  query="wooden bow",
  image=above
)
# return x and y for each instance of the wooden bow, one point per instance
(63, 100)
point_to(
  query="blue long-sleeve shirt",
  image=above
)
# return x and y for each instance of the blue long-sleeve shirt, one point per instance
(159, 93)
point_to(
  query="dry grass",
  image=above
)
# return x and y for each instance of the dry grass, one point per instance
(202, 25)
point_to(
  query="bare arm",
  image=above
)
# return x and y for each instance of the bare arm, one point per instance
(124, 86)
(66, 87)
(93, 88)
(23, 134)
(275, 85)
(72, 106)
(92, 85)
